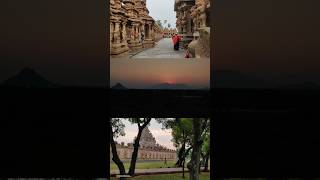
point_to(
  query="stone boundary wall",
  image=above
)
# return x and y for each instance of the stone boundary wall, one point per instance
(125, 152)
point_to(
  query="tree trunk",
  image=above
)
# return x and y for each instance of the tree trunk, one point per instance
(182, 149)
(200, 167)
(184, 159)
(181, 156)
(135, 153)
(193, 165)
(206, 163)
(183, 169)
(136, 147)
(115, 157)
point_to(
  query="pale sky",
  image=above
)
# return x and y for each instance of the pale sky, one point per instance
(162, 10)
(163, 137)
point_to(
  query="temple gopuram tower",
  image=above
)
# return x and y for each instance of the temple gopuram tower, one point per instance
(149, 149)
(147, 139)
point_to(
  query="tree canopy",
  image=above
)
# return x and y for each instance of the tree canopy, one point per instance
(117, 127)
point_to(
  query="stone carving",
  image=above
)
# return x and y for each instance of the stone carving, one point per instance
(129, 19)
(184, 21)
(124, 33)
(192, 16)
(116, 33)
(111, 32)
(133, 18)
(117, 14)
(201, 10)
(117, 4)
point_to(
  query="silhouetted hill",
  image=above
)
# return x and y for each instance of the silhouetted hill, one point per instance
(27, 77)
(170, 86)
(119, 86)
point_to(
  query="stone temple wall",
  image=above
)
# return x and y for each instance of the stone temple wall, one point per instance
(193, 17)
(129, 22)
(125, 153)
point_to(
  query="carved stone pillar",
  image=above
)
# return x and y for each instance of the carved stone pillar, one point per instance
(142, 29)
(111, 32)
(132, 33)
(149, 33)
(124, 33)
(117, 33)
(152, 32)
(137, 32)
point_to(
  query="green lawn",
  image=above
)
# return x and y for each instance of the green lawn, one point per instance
(178, 176)
(145, 165)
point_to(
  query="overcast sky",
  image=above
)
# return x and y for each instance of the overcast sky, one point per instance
(162, 10)
(163, 137)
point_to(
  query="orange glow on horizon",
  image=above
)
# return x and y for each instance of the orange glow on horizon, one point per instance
(149, 72)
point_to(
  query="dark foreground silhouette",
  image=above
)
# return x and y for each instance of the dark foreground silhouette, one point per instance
(64, 131)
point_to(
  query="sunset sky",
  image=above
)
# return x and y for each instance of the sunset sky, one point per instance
(163, 137)
(143, 73)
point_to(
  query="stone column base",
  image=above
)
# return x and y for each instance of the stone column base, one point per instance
(148, 43)
(117, 49)
(135, 46)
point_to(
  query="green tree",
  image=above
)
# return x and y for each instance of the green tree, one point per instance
(200, 129)
(182, 137)
(190, 134)
(205, 151)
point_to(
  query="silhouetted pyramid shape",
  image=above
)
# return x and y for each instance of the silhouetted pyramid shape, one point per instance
(27, 77)
(118, 86)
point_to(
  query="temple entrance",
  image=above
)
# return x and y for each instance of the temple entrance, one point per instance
(146, 27)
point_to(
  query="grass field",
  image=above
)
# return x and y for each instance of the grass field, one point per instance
(145, 165)
(178, 176)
